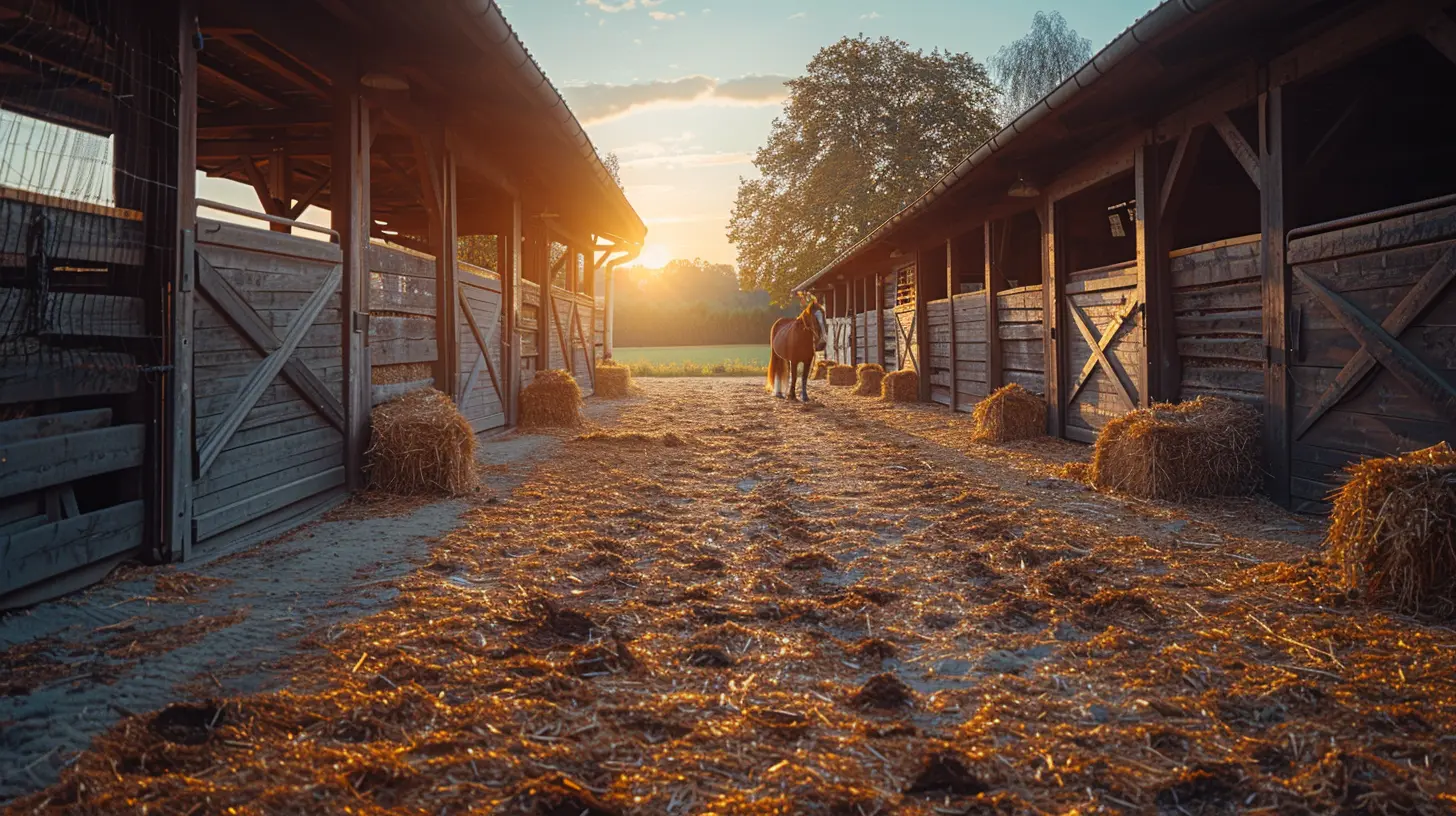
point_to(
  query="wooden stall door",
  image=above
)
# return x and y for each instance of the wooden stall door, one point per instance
(1372, 336)
(480, 350)
(570, 316)
(837, 346)
(267, 381)
(1101, 316)
(907, 333)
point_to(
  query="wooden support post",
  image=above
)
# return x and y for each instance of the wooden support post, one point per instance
(1051, 303)
(853, 300)
(540, 242)
(1159, 379)
(952, 262)
(1273, 210)
(178, 463)
(508, 258)
(279, 176)
(880, 316)
(351, 218)
(993, 316)
(922, 331)
(447, 292)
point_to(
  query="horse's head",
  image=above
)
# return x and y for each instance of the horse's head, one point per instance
(812, 318)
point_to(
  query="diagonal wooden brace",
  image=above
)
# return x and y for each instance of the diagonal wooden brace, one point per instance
(1099, 347)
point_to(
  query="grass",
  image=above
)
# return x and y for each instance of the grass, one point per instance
(695, 361)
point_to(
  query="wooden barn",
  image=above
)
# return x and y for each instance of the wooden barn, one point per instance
(181, 376)
(1235, 197)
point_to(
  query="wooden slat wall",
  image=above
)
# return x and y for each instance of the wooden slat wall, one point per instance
(1101, 296)
(1372, 267)
(892, 354)
(1218, 315)
(526, 325)
(579, 339)
(1019, 315)
(286, 460)
(970, 335)
(837, 347)
(482, 407)
(401, 307)
(937, 323)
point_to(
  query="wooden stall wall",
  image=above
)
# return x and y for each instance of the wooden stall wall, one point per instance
(401, 321)
(891, 327)
(570, 315)
(970, 359)
(837, 346)
(937, 327)
(1218, 316)
(526, 334)
(1103, 346)
(480, 349)
(1372, 335)
(1023, 347)
(267, 382)
(865, 341)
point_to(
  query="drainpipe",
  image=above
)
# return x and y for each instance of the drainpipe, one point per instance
(611, 299)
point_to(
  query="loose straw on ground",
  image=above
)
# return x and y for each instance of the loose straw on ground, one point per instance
(420, 444)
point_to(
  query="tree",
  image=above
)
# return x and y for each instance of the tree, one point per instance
(1034, 65)
(864, 131)
(614, 167)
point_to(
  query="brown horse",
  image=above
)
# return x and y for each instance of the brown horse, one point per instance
(793, 342)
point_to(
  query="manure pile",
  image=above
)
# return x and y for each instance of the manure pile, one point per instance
(872, 623)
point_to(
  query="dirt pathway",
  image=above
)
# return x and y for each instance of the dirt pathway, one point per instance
(720, 603)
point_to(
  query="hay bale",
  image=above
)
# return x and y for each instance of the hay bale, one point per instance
(821, 369)
(841, 375)
(1010, 412)
(1393, 530)
(868, 378)
(1206, 447)
(613, 380)
(901, 386)
(420, 444)
(552, 400)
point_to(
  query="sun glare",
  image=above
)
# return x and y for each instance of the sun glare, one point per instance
(655, 256)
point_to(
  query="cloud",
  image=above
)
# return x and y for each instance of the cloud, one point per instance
(666, 15)
(798, 15)
(612, 8)
(874, 15)
(598, 102)
(681, 160)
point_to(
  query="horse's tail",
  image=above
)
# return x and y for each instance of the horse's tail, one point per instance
(775, 362)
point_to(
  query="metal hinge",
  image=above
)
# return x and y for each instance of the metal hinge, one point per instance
(361, 323)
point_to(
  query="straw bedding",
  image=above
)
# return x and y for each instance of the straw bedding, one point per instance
(841, 374)
(614, 380)
(552, 400)
(1393, 531)
(901, 386)
(869, 379)
(1008, 413)
(821, 369)
(1206, 447)
(420, 444)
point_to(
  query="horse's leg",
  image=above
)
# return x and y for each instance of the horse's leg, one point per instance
(804, 383)
(793, 375)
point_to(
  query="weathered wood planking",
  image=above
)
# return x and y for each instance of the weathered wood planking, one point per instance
(1363, 299)
(61, 546)
(39, 372)
(82, 235)
(1218, 319)
(274, 462)
(77, 314)
(382, 393)
(43, 427)
(1103, 348)
(40, 463)
(396, 339)
(402, 306)
(481, 405)
(1019, 325)
(971, 348)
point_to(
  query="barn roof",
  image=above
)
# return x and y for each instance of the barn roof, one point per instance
(1177, 51)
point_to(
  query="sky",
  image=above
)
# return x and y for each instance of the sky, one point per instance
(684, 91)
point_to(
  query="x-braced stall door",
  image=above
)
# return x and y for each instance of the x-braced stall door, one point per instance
(267, 374)
(480, 352)
(907, 336)
(1372, 345)
(569, 319)
(1101, 316)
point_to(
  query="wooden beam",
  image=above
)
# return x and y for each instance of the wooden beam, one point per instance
(1375, 25)
(1180, 173)
(177, 522)
(237, 43)
(259, 183)
(253, 118)
(1161, 368)
(351, 217)
(1051, 288)
(1238, 146)
(61, 546)
(36, 464)
(309, 195)
(508, 254)
(922, 333)
(241, 89)
(447, 241)
(992, 281)
(880, 315)
(280, 178)
(952, 261)
(1273, 210)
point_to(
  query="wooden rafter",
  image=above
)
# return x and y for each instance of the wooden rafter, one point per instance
(1380, 344)
(1180, 172)
(1099, 346)
(1239, 146)
(271, 205)
(246, 49)
(309, 195)
(242, 89)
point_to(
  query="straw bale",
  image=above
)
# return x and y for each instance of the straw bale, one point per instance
(552, 400)
(901, 386)
(1393, 530)
(821, 369)
(1206, 447)
(420, 444)
(400, 373)
(1009, 413)
(614, 380)
(869, 378)
(841, 375)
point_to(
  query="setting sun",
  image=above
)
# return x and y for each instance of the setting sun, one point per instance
(655, 256)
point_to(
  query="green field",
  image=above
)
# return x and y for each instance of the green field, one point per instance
(694, 361)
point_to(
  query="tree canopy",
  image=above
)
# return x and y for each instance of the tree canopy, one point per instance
(864, 131)
(1031, 67)
(689, 303)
